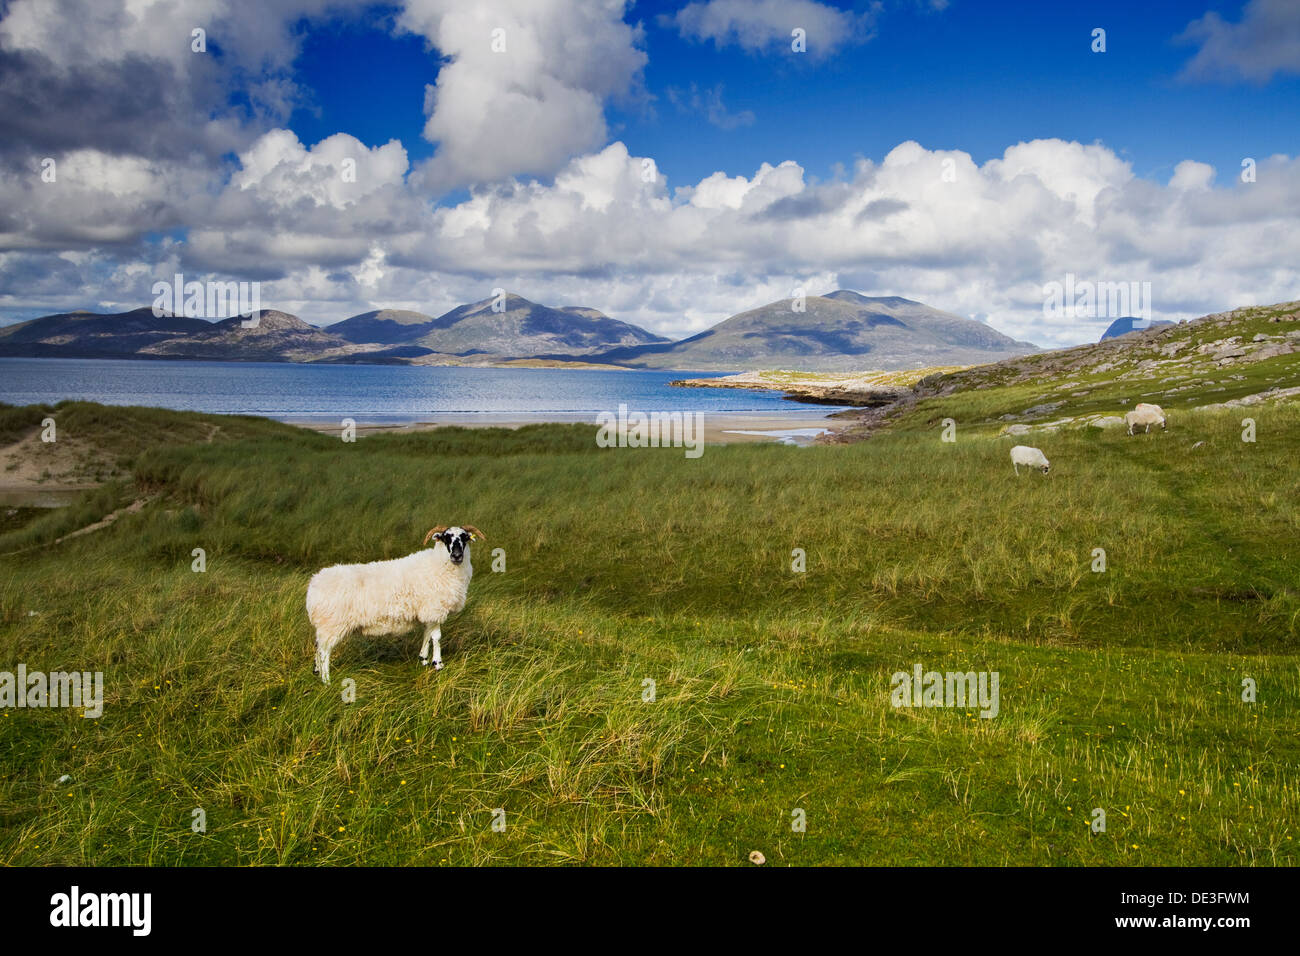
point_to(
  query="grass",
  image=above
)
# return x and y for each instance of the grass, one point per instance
(1119, 690)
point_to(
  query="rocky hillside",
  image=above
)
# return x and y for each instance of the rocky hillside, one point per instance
(1239, 359)
(84, 334)
(840, 331)
(274, 337)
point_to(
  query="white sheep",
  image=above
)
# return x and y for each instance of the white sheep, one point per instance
(1145, 414)
(1029, 457)
(392, 597)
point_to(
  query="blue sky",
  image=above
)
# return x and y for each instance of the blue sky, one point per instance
(670, 164)
(975, 76)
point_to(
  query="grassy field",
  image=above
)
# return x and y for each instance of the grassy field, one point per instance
(1120, 690)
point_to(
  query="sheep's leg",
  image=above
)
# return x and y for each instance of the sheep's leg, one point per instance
(432, 636)
(1017, 469)
(324, 647)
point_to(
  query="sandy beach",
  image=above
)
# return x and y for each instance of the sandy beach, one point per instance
(719, 427)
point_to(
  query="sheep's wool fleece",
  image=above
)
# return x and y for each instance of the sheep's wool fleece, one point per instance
(389, 596)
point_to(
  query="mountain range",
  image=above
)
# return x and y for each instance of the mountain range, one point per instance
(839, 331)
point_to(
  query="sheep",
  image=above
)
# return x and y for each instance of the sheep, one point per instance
(392, 597)
(1029, 457)
(1145, 414)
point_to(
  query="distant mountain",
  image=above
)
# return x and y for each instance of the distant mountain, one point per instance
(522, 329)
(841, 331)
(1127, 324)
(383, 326)
(84, 334)
(274, 337)
(525, 329)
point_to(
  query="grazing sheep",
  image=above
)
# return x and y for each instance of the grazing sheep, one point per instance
(1029, 457)
(392, 597)
(1145, 414)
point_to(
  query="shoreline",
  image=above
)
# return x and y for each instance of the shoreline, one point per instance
(856, 390)
(720, 428)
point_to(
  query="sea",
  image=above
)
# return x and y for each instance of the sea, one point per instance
(379, 394)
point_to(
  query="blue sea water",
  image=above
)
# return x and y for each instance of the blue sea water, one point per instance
(376, 394)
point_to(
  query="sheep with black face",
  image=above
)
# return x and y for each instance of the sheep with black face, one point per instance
(393, 597)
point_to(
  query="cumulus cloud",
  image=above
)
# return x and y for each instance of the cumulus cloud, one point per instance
(1264, 43)
(121, 76)
(610, 231)
(1189, 174)
(523, 84)
(767, 25)
(565, 217)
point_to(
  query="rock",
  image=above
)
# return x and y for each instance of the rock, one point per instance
(1039, 410)
(1018, 429)
(1272, 350)
(1107, 421)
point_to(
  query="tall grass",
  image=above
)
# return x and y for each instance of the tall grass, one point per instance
(1120, 690)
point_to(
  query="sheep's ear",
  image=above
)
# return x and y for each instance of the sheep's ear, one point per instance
(434, 531)
(475, 533)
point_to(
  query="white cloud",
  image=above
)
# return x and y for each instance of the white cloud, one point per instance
(765, 25)
(533, 102)
(557, 213)
(1189, 174)
(338, 171)
(1265, 42)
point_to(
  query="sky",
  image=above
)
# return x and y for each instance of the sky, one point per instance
(670, 164)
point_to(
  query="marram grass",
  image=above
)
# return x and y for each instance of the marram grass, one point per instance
(1120, 690)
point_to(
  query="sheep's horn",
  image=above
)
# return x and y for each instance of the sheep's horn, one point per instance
(432, 531)
(478, 535)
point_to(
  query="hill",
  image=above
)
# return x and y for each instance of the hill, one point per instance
(1240, 359)
(383, 326)
(841, 331)
(524, 329)
(85, 334)
(274, 337)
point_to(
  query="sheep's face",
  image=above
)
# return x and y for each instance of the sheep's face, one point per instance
(1046, 468)
(457, 541)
